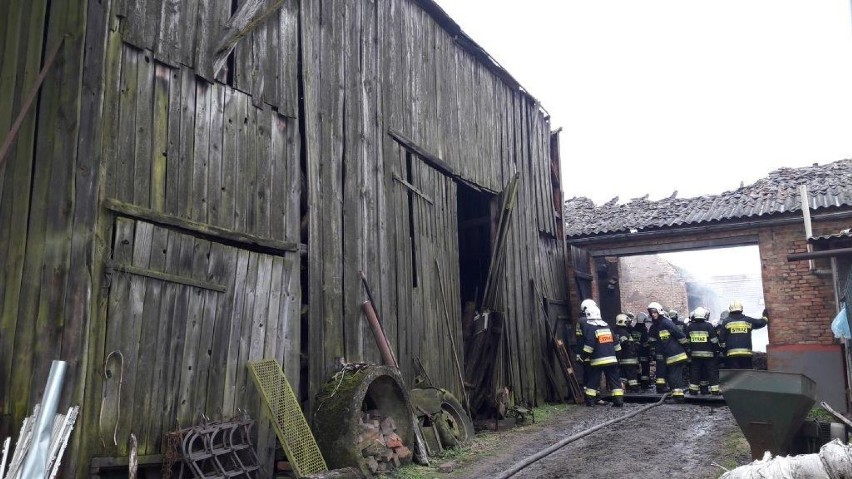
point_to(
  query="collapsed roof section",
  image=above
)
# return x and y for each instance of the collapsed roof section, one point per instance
(829, 186)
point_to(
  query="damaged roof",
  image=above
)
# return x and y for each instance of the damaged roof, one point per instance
(829, 185)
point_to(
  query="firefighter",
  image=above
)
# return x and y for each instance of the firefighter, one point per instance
(723, 363)
(681, 325)
(703, 349)
(599, 352)
(656, 353)
(670, 344)
(735, 336)
(578, 336)
(639, 332)
(628, 360)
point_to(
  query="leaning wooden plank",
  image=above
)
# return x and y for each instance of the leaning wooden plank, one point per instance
(285, 412)
(247, 17)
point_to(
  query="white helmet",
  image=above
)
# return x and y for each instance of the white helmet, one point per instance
(586, 303)
(655, 306)
(736, 305)
(672, 314)
(700, 313)
(593, 312)
(621, 319)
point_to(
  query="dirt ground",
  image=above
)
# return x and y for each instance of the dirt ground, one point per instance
(672, 440)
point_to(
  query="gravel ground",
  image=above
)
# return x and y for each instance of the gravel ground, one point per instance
(672, 440)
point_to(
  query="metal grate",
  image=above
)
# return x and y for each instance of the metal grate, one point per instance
(290, 425)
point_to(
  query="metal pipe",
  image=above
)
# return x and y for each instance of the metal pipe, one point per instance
(829, 253)
(381, 340)
(806, 216)
(35, 464)
(550, 450)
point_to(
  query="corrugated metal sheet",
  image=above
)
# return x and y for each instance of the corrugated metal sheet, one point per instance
(828, 185)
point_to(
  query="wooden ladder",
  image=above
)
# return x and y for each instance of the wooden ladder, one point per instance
(568, 370)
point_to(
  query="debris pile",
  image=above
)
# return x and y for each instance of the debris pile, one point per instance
(380, 445)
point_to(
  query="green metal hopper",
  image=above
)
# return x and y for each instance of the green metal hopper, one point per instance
(769, 406)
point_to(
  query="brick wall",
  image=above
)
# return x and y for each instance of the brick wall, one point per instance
(801, 304)
(648, 278)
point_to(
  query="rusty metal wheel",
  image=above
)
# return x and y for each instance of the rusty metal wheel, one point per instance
(454, 420)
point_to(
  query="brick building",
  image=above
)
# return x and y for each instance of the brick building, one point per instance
(800, 295)
(652, 278)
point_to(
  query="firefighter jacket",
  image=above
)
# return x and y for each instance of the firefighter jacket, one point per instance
(627, 355)
(599, 344)
(703, 342)
(639, 333)
(735, 335)
(668, 340)
(578, 334)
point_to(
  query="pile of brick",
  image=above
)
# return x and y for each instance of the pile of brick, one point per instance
(380, 445)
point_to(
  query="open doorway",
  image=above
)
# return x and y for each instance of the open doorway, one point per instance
(475, 229)
(684, 280)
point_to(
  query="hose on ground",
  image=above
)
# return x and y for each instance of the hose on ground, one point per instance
(550, 450)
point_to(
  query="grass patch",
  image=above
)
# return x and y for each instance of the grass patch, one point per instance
(735, 451)
(821, 414)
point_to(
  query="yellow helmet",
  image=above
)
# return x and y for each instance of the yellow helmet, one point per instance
(621, 320)
(736, 305)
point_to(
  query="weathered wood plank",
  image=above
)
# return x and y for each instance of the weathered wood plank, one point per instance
(189, 408)
(241, 180)
(141, 407)
(286, 80)
(160, 145)
(195, 227)
(190, 17)
(216, 163)
(173, 147)
(211, 319)
(282, 164)
(112, 364)
(203, 119)
(263, 187)
(166, 333)
(169, 39)
(351, 182)
(124, 159)
(249, 164)
(129, 322)
(230, 161)
(236, 320)
(186, 150)
(172, 418)
(244, 397)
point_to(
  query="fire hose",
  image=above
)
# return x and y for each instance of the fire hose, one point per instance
(550, 450)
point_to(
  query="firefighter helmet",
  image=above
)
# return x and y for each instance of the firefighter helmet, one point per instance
(586, 303)
(593, 312)
(672, 314)
(643, 318)
(656, 307)
(621, 319)
(700, 313)
(736, 305)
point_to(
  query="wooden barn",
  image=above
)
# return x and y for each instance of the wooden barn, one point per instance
(188, 185)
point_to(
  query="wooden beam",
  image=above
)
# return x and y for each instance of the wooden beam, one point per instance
(245, 19)
(215, 233)
(743, 240)
(413, 189)
(171, 278)
(429, 158)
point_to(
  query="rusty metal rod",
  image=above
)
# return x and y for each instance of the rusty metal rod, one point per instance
(28, 102)
(550, 450)
(381, 340)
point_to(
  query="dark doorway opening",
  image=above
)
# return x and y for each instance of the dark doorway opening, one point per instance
(475, 226)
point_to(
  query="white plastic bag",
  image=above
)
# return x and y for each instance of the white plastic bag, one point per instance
(840, 325)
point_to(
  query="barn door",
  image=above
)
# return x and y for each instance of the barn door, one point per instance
(185, 314)
(426, 243)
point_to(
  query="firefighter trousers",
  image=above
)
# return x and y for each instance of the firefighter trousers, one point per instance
(644, 372)
(704, 375)
(613, 381)
(630, 372)
(661, 373)
(739, 362)
(675, 377)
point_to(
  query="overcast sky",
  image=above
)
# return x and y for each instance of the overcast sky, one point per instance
(694, 96)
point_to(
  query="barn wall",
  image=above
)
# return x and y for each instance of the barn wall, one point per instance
(373, 69)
